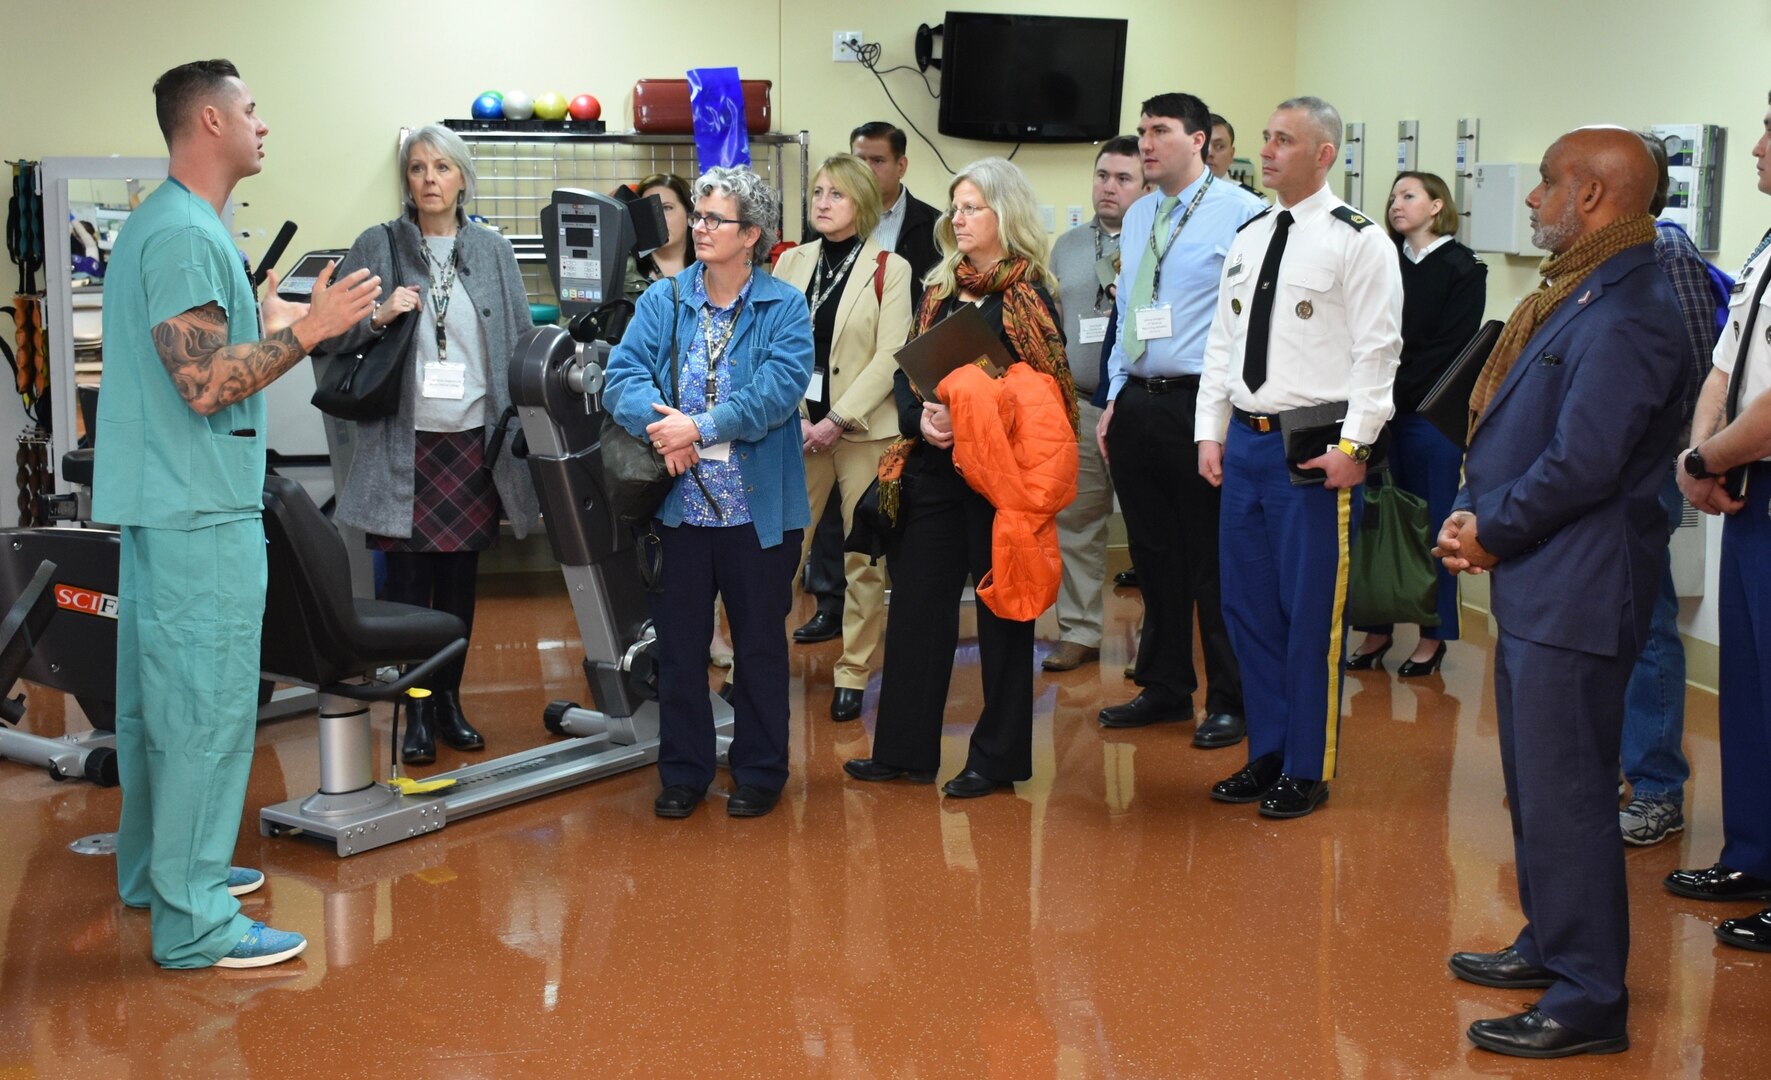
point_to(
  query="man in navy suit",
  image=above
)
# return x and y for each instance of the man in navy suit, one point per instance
(1561, 507)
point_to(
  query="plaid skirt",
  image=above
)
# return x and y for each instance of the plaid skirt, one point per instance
(454, 504)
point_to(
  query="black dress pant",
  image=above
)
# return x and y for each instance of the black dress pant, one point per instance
(945, 540)
(826, 578)
(756, 584)
(442, 581)
(1171, 523)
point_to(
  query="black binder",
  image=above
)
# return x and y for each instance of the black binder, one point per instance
(1447, 405)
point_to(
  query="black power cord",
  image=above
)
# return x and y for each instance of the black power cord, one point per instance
(869, 55)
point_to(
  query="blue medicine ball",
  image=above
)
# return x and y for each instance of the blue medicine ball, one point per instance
(488, 107)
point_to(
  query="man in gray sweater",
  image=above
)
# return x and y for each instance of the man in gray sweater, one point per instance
(1085, 261)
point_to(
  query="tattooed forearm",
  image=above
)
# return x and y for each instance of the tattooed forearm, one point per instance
(209, 373)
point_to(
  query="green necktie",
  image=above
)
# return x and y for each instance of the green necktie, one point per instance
(1143, 290)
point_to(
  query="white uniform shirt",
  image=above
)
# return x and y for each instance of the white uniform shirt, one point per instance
(891, 222)
(1336, 333)
(1758, 351)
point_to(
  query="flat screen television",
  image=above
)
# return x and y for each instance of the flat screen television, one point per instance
(1031, 78)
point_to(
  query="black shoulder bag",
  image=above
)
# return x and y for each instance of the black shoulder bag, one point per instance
(365, 384)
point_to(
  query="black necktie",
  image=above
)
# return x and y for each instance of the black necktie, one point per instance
(1260, 313)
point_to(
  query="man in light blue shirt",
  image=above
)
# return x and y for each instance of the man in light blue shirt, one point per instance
(1171, 256)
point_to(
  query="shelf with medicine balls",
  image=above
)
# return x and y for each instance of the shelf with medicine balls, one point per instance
(527, 127)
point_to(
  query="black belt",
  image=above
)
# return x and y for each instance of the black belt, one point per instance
(1164, 384)
(1255, 422)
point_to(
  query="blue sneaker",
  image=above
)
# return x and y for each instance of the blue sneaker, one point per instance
(244, 879)
(261, 946)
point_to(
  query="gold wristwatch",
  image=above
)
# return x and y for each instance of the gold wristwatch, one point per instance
(1358, 451)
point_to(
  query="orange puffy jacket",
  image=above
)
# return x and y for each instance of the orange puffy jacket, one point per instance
(1013, 444)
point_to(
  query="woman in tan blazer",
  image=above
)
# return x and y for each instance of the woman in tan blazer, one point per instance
(859, 295)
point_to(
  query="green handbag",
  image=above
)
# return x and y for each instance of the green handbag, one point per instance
(1393, 578)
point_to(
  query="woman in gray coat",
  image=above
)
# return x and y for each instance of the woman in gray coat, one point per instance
(419, 486)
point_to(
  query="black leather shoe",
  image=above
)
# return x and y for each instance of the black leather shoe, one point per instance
(1250, 782)
(1370, 661)
(1219, 730)
(822, 626)
(452, 727)
(845, 704)
(1505, 969)
(1717, 883)
(971, 784)
(1127, 578)
(1752, 932)
(1531, 1034)
(749, 801)
(1144, 710)
(1412, 669)
(875, 771)
(676, 801)
(1291, 797)
(419, 747)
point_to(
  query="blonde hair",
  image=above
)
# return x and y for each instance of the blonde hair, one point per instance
(1007, 193)
(851, 176)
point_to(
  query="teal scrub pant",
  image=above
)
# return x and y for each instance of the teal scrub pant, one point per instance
(189, 614)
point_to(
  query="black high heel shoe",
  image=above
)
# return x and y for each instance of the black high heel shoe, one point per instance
(1412, 669)
(1370, 661)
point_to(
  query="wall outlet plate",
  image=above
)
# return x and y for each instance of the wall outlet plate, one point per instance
(843, 44)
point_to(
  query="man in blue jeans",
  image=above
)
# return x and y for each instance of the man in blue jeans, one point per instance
(1654, 704)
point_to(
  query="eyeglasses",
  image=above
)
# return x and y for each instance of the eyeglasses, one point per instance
(710, 222)
(966, 212)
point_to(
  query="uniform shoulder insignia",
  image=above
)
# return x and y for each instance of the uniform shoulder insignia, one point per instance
(1254, 219)
(1352, 217)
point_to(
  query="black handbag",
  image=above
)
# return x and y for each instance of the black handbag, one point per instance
(635, 479)
(365, 384)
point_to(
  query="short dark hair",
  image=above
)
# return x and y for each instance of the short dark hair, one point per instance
(1186, 108)
(879, 129)
(1663, 180)
(1446, 223)
(1126, 145)
(177, 90)
(1231, 128)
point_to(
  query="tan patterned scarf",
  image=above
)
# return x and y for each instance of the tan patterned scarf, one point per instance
(1034, 338)
(1561, 273)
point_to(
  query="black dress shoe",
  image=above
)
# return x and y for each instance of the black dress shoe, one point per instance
(873, 770)
(1415, 669)
(452, 727)
(1219, 730)
(1291, 797)
(1127, 578)
(1717, 883)
(1144, 710)
(1531, 1034)
(749, 801)
(1505, 969)
(676, 801)
(1753, 932)
(822, 626)
(1370, 661)
(845, 704)
(419, 747)
(1249, 783)
(971, 784)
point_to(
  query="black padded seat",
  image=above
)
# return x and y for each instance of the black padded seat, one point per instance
(76, 467)
(315, 632)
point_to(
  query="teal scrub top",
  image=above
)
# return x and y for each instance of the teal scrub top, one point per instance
(157, 462)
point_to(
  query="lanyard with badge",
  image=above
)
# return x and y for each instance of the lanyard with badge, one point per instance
(824, 283)
(1155, 320)
(443, 379)
(1093, 331)
(717, 342)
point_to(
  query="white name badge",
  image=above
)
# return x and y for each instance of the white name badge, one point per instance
(1092, 331)
(719, 451)
(445, 381)
(1154, 323)
(815, 388)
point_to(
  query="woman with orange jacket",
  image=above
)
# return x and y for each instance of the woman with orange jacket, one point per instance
(974, 484)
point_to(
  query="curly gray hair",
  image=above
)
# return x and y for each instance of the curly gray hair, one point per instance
(756, 201)
(451, 146)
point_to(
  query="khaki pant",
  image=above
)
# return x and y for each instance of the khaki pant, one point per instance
(1082, 539)
(852, 465)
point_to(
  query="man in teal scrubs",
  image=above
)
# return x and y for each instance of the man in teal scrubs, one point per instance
(179, 467)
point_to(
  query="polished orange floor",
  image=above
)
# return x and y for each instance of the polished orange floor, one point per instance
(1106, 920)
